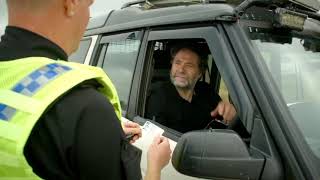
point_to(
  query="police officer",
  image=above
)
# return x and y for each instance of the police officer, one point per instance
(60, 120)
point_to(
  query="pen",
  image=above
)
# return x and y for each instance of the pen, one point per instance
(129, 136)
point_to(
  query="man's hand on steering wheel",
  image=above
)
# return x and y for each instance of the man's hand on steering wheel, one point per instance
(226, 110)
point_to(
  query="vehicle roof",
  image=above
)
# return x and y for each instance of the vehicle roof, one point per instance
(136, 17)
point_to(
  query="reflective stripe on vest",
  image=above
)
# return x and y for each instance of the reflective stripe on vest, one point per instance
(27, 95)
(32, 83)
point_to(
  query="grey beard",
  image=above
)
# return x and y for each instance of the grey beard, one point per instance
(189, 86)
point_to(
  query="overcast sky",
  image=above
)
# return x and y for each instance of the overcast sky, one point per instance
(99, 7)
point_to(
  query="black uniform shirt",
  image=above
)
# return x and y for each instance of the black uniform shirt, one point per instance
(167, 107)
(79, 137)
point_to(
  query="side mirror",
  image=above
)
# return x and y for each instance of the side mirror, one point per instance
(216, 154)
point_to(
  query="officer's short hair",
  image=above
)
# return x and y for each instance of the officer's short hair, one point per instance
(203, 64)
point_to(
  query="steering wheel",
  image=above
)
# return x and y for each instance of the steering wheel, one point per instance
(217, 123)
(236, 126)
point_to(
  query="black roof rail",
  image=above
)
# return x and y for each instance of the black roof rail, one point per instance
(167, 3)
(128, 4)
(311, 6)
(309, 14)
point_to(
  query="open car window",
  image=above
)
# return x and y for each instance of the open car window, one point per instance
(210, 85)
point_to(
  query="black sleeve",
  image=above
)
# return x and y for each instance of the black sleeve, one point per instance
(215, 99)
(98, 141)
(207, 94)
(156, 105)
(79, 137)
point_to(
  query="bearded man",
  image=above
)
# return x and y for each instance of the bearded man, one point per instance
(178, 104)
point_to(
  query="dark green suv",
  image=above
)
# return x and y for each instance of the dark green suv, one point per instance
(263, 56)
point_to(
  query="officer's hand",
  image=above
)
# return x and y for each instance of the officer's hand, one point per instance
(226, 110)
(132, 128)
(159, 154)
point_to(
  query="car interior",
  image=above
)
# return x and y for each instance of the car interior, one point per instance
(211, 81)
(162, 58)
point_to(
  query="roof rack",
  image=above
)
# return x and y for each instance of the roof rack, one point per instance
(128, 4)
(305, 5)
(149, 4)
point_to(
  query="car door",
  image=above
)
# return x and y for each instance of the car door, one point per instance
(221, 58)
(117, 55)
(285, 137)
(84, 52)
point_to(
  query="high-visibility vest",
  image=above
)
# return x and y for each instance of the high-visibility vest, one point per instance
(27, 88)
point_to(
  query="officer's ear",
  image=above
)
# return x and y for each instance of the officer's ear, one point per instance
(70, 7)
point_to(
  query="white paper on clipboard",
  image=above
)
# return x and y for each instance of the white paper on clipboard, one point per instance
(149, 131)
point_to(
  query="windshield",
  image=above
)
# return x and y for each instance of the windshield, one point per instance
(293, 59)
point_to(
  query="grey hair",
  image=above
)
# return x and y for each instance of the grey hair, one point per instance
(203, 63)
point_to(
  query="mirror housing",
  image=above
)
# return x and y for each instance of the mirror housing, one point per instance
(216, 154)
